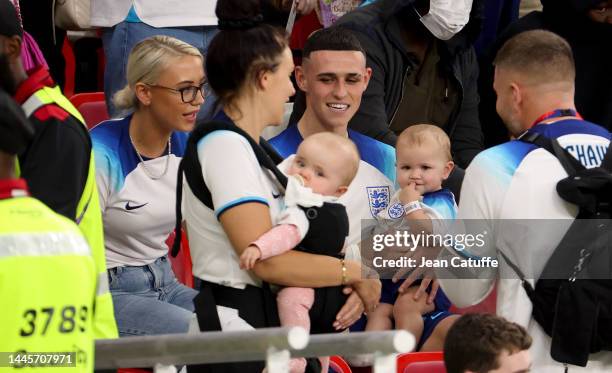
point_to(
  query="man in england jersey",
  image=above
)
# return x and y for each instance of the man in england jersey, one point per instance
(534, 82)
(334, 77)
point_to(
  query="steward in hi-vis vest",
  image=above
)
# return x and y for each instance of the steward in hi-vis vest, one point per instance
(49, 286)
(58, 162)
(59, 168)
(47, 273)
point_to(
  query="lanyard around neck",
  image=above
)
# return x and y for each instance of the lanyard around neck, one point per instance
(557, 114)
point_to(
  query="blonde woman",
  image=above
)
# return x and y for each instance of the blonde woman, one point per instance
(137, 162)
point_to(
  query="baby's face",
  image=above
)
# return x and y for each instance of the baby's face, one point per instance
(321, 171)
(424, 165)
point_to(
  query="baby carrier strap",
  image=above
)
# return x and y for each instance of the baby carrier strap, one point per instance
(191, 167)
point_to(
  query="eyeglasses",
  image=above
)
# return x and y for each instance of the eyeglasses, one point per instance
(188, 94)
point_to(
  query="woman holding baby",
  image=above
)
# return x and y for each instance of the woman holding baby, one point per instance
(233, 193)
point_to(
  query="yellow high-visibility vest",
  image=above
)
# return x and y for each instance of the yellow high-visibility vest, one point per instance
(88, 216)
(47, 290)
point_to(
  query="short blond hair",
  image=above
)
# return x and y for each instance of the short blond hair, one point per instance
(341, 147)
(146, 62)
(541, 56)
(422, 134)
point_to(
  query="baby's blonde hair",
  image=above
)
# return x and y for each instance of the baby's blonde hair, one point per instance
(146, 62)
(420, 134)
(341, 147)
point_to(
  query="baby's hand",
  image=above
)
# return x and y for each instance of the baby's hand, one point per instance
(249, 256)
(409, 194)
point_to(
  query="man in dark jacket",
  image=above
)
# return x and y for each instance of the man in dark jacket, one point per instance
(587, 27)
(424, 70)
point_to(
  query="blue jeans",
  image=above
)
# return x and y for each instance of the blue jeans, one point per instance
(149, 299)
(119, 40)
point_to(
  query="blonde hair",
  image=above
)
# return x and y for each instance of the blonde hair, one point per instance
(343, 149)
(541, 56)
(146, 62)
(420, 134)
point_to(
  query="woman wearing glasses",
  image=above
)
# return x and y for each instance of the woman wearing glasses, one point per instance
(137, 159)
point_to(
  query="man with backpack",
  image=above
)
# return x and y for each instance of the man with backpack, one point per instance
(518, 189)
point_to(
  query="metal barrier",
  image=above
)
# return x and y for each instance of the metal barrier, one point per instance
(385, 346)
(273, 345)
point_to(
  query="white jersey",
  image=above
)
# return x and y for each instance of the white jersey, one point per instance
(137, 211)
(233, 176)
(517, 180)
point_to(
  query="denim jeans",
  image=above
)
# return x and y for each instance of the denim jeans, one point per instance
(149, 299)
(119, 40)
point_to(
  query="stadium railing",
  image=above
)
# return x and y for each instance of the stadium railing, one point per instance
(274, 345)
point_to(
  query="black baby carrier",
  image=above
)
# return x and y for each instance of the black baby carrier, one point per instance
(572, 299)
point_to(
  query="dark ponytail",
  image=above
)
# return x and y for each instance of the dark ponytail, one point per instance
(242, 49)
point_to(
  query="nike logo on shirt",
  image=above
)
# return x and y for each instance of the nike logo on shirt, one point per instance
(130, 208)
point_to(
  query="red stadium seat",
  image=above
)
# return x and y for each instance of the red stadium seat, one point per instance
(426, 367)
(70, 68)
(419, 362)
(181, 265)
(338, 365)
(91, 106)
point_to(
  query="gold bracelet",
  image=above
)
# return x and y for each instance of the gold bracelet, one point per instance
(344, 276)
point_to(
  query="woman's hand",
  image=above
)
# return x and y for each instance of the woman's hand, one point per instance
(350, 312)
(369, 292)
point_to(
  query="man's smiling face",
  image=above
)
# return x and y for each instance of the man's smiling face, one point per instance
(334, 82)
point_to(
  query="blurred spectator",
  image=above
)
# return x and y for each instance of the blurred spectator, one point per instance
(30, 53)
(587, 26)
(58, 164)
(329, 11)
(486, 344)
(128, 22)
(37, 17)
(137, 162)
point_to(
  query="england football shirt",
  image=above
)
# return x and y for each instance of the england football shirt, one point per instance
(138, 212)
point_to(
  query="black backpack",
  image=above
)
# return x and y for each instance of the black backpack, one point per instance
(572, 299)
